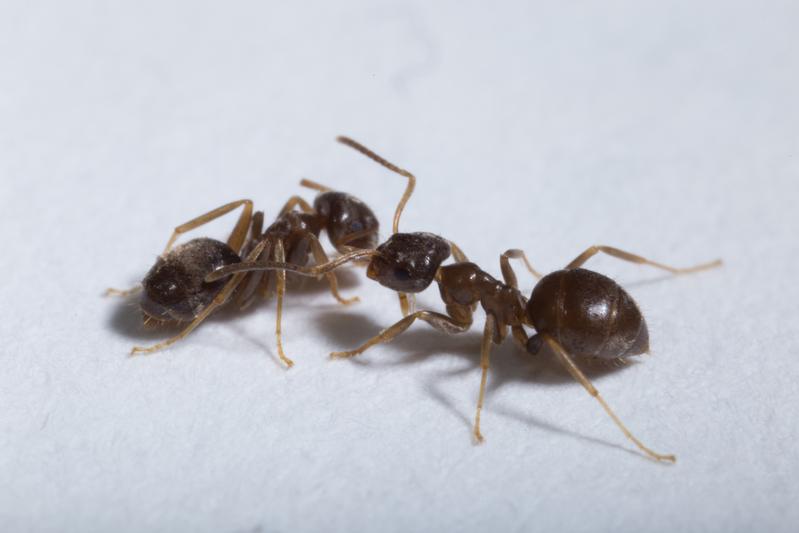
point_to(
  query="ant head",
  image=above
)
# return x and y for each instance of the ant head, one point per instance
(408, 262)
(350, 222)
(174, 288)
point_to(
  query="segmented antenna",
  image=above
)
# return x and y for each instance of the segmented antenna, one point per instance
(392, 167)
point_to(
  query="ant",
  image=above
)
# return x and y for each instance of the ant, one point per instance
(576, 313)
(175, 288)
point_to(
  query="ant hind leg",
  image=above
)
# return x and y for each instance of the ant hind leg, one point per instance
(578, 376)
(632, 258)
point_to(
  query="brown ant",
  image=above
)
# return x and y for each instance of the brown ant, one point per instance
(175, 288)
(576, 312)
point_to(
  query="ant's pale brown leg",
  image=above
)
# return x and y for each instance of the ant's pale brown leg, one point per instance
(507, 271)
(247, 294)
(280, 255)
(237, 236)
(485, 353)
(295, 201)
(583, 380)
(216, 302)
(239, 232)
(437, 320)
(457, 253)
(321, 258)
(123, 293)
(315, 186)
(626, 256)
(520, 336)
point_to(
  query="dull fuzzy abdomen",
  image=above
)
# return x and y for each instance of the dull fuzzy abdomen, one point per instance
(589, 314)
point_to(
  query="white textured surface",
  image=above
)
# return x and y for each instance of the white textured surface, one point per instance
(665, 128)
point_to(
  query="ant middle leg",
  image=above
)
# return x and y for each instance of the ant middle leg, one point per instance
(321, 258)
(438, 321)
(485, 353)
(632, 258)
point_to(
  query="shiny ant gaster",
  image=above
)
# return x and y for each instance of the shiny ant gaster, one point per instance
(576, 312)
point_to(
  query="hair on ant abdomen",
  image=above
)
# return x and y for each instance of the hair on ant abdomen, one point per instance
(575, 312)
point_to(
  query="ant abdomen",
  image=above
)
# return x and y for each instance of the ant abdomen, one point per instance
(589, 314)
(349, 222)
(175, 288)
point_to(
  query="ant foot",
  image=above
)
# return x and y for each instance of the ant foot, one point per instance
(343, 355)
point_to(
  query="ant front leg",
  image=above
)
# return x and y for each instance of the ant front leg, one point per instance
(321, 258)
(632, 258)
(438, 321)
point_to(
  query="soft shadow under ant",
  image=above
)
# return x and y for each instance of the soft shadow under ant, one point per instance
(511, 365)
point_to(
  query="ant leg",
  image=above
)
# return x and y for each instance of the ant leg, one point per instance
(520, 336)
(485, 353)
(237, 236)
(280, 255)
(216, 302)
(457, 253)
(439, 321)
(257, 225)
(247, 295)
(123, 293)
(295, 201)
(580, 378)
(313, 185)
(626, 256)
(507, 270)
(321, 258)
(235, 241)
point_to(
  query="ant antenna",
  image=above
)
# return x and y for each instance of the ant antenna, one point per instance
(392, 167)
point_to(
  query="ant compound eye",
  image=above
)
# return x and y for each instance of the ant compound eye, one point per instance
(401, 274)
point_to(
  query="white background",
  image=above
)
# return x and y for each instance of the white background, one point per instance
(664, 128)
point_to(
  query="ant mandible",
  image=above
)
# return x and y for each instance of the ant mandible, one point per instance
(576, 312)
(175, 288)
